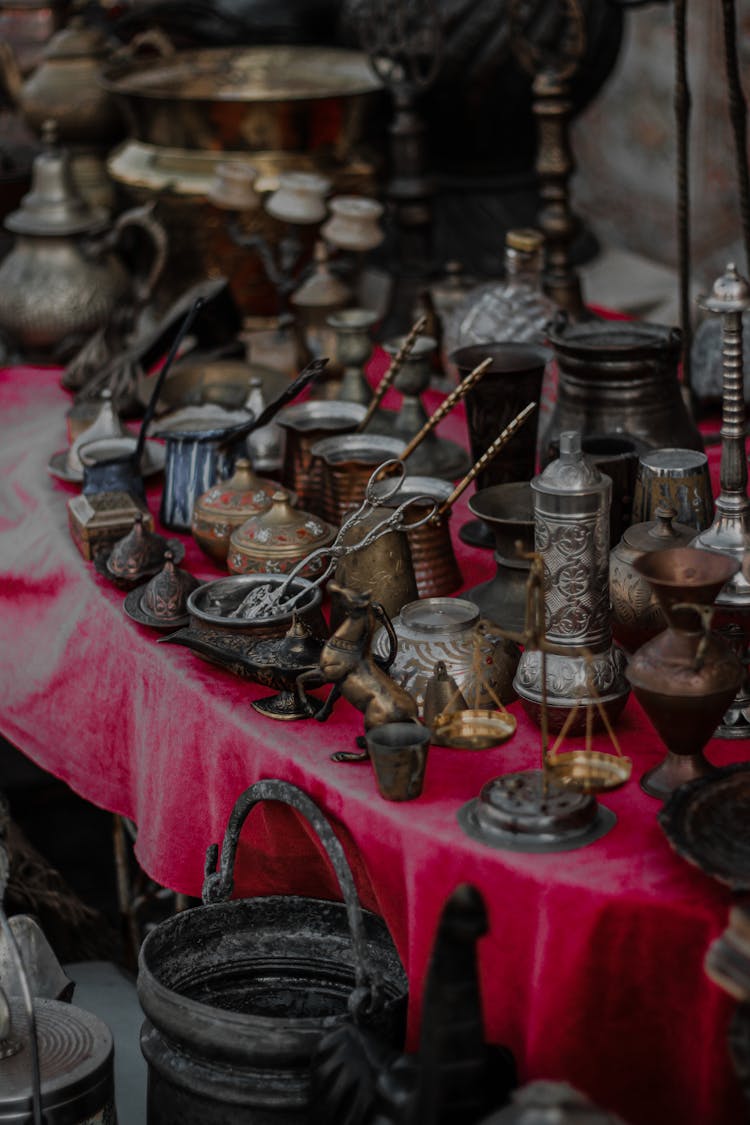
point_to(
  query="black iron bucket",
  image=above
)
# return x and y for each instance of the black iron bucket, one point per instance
(238, 994)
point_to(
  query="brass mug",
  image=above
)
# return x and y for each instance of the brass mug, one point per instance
(399, 756)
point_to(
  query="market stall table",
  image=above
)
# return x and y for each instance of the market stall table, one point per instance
(592, 971)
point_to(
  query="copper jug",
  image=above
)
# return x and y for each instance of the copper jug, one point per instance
(686, 677)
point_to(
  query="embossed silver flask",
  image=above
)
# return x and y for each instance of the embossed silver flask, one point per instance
(571, 532)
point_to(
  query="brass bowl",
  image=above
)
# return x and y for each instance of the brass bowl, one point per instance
(473, 729)
(589, 771)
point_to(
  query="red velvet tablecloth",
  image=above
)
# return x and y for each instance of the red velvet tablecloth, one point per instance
(592, 970)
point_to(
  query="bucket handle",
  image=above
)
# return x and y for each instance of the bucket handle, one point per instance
(218, 884)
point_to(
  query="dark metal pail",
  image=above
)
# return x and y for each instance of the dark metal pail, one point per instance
(238, 994)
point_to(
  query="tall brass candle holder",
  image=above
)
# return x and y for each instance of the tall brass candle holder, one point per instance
(729, 533)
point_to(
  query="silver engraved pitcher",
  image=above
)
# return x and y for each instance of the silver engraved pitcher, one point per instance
(571, 532)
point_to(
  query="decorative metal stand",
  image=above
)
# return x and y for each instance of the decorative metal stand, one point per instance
(730, 531)
(404, 42)
(552, 70)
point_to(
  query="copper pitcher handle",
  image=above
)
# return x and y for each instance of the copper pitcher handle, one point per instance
(705, 613)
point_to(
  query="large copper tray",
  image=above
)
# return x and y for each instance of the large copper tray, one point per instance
(247, 74)
(272, 98)
(707, 822)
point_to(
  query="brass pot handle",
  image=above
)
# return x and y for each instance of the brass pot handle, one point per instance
(705, 615)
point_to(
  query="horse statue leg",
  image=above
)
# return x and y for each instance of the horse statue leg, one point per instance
(314, 678)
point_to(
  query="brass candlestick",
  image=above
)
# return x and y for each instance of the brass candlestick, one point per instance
(730, 531)
(552, 68)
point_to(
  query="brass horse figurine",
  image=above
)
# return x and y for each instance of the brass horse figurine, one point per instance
(347, 662)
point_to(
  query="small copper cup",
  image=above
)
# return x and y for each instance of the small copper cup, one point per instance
(399, 757)
(348, 461)
(304, 424)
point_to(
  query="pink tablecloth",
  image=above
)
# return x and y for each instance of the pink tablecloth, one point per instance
(592, 971)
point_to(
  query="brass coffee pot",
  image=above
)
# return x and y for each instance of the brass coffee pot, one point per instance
(61, 280)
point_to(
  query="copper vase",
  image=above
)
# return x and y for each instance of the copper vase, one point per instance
(687, 676)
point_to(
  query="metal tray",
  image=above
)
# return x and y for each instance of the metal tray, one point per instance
(707, 822)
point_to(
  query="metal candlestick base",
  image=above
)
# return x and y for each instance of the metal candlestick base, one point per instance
(287, 705)
(673, 771)
(734, 627)
(526, 812)
(476, 534)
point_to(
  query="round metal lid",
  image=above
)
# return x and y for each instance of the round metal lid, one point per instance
(439, 615)
(280, 531)
(572, 472)
(54, 207)
(243, 494)
(75, 1056)
(660, 533)
(524, 812)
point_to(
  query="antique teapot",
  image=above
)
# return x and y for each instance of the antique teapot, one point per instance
(61, 279)
(66, 85)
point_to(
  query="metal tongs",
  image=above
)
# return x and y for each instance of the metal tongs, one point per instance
(268, 600)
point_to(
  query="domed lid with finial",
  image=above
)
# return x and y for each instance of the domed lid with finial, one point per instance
(322, 289)
(298, 647)
(281, 532)
(244, 494)
(572, 472)
(54, 207)
(166, 594)
(107, 424)
(137, 554)
(730, 293)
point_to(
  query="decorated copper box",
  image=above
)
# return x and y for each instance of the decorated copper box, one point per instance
(226, 505)
(99, 520)
(274, 541)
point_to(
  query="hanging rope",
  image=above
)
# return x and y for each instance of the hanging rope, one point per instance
(682, 106)
(738, 117)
